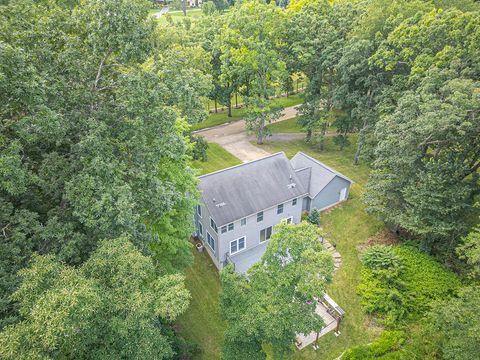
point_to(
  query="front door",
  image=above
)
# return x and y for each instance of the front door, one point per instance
(343, 194)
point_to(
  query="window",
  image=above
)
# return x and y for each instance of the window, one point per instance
(243, 222)
(237, 245)
(213, 225)
(230, 227)
(260, 216)
(200, 229)
(199, 210)
(210, 241)
(288, 220)
(224, 229)
(266, 234)
(280, 209)
(294, 202)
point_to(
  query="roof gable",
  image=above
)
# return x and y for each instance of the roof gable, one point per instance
(243, 190)
(320, 174)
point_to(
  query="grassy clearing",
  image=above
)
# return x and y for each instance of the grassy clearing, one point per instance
(222, 116)
(202, 323)
(218, 158)
(177, 15)
(286, 126)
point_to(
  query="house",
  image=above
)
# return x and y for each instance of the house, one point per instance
(241, 205)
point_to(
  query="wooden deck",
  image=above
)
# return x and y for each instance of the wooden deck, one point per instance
(330, 324)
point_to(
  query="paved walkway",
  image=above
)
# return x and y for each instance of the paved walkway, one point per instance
(233, 137)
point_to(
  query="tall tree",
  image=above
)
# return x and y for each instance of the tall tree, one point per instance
(275, 300)
(111, 307)
(428, 151)
(251, 42)
(86, 135)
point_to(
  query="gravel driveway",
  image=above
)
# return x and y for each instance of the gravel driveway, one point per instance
(234, 138)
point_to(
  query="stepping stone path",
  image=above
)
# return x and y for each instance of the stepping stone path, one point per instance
(336, 255)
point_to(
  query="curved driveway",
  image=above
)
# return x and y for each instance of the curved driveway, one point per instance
(234, 138)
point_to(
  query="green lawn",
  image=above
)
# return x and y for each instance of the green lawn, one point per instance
(202, 323)
(222, 116)
(218, 158)
(285, 126)
(177, 15)
(347, 226)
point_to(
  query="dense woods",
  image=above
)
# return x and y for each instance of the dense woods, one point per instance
(96, 183)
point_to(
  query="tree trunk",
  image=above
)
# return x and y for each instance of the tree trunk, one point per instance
(260, 130)
(322, 139)
(236, 101)
(309, 135)
(216, 110)
(361, 139)
(229, 105)
(184, 7)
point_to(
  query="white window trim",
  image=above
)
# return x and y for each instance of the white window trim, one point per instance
(199, 213)
(296, 202)
(271, 233)
(236, 252)
(287, 218)
(242, 220)
(208, 234)
(263, 214)
(211, 227)
(282, 207)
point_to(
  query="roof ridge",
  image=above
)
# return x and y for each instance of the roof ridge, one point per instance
(239, 165)
(324, 165)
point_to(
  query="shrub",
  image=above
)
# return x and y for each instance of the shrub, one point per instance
(200, 147)
(314, 217)
(400, 283)
(387, 346)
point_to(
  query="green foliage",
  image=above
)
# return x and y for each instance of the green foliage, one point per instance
(314, 217)
(94, 114)
(453, 325)
(400, 283)
(469, 250)
(200, 147)
(276, 300)
(108, 307)
(379, 257)
(387, 346)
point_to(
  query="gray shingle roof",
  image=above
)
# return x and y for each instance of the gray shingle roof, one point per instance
(321, 174)
(243, 190)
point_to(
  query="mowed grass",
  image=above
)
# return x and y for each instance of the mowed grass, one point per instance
(176, 15)
(348, 226)
(218, 158)
(202, 323)
(285, 126)
(222, 116)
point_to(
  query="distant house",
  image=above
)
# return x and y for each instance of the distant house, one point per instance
(241, 205)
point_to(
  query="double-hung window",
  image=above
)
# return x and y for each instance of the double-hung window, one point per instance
(200, 229)
(230, 227)
(210, 241)
(199, 210)
(266, 234)
(223, 229)
(243, 222)
(294, 202)
(280, 209)
(237, 245)
(213, 225)
(260, 216)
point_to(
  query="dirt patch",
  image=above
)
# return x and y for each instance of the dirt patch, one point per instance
(383, 238)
